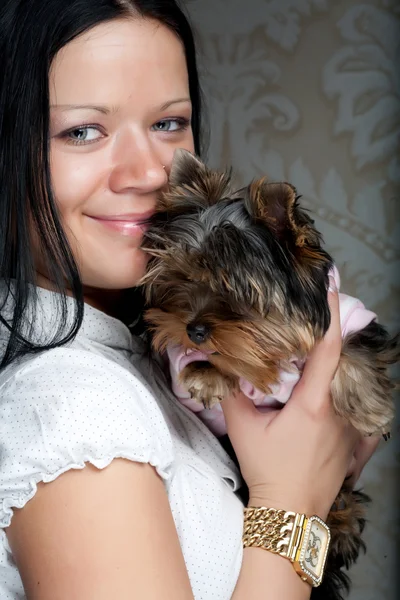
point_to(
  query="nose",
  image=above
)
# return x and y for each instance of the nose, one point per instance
(198, 332)
(137, 165)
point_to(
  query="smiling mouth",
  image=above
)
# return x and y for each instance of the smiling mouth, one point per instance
(129, 217)
(125, 224)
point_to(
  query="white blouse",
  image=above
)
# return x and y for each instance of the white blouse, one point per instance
(99, 398)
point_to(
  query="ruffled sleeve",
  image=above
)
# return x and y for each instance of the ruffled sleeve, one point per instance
(68, 407)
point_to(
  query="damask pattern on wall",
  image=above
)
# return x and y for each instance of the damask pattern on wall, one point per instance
(309, 91)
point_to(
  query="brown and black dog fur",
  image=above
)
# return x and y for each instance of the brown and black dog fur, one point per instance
(243, 276)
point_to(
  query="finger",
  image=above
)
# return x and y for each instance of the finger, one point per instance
(323, 360)
(237, 406)
(239, 411)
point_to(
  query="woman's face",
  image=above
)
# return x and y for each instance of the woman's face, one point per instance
(120, 106)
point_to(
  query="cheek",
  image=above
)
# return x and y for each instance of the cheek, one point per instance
(186, 143)
(75, 178)
(189, 142)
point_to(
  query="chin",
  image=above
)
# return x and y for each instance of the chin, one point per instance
(120, 271)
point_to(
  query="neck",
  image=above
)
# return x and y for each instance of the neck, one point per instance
(112, 302)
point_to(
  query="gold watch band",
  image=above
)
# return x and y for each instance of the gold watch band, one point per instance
(271, 529)
(303, 540)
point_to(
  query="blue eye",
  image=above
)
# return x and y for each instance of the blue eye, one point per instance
(171, 125)
(83, 135)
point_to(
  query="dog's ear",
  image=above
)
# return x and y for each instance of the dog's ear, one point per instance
(185, 168)
(276, 204)
(192, 183)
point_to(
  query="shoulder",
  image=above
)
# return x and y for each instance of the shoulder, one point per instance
(70, 387)
(67, 407)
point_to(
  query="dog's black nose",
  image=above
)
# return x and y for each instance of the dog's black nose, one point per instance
(198, 332)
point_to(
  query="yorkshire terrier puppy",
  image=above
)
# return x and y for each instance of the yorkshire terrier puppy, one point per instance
(236, 290)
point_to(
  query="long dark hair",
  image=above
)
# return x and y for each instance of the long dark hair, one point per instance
(31, 33)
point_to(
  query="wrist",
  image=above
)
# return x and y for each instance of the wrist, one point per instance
(289, 502)
(291, 535)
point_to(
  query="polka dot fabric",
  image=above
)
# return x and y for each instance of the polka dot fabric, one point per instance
(98, 399)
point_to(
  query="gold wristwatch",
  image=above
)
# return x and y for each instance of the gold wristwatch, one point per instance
(301, 539)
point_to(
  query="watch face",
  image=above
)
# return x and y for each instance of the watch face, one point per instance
(314, 549)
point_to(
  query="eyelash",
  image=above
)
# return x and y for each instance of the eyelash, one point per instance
(182, 122)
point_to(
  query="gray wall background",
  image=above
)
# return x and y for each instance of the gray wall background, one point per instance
(309, 91)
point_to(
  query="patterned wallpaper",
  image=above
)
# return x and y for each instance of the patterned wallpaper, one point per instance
(309, 91)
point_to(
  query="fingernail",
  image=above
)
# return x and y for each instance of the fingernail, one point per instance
(332, 284)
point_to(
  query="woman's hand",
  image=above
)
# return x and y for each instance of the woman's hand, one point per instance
(296, 458)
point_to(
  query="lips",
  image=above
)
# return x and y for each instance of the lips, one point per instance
(126, 217)
(129, 224)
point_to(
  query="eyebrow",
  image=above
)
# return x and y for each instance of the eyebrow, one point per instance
(107, 110)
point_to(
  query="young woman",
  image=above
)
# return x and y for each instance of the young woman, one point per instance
(108, 486)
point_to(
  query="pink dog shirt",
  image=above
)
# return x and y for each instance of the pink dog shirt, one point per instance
(353, 317)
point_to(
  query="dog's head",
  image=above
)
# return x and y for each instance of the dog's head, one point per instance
(240, 275)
